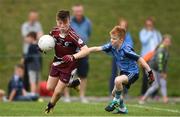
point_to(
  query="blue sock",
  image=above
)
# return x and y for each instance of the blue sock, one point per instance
(117, 95)
(121, 103)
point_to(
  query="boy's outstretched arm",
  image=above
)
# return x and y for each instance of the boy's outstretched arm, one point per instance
(148, 69)
(144, 64)
(84, 51)
(95, 49)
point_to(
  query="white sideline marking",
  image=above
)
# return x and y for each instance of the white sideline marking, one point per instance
(154, 108)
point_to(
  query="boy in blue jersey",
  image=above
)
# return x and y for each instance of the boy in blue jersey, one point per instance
(126, 60)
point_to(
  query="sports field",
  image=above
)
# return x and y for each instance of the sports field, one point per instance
(91, 109)
(104, 15)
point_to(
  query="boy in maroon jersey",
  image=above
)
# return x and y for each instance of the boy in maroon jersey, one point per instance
(66, 55)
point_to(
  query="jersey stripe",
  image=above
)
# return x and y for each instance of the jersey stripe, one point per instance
(73, 34)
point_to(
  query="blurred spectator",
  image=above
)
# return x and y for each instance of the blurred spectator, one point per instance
(2, 94)
(128, 39)
(33, 62)
(150, 38)
(82, 26)
(32, 25)
(16, 91)
(159, 66)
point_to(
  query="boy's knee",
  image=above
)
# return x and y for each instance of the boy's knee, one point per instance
(50, 87)
(118, 81)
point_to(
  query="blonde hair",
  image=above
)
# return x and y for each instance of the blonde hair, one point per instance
(167, 36)
(118, 31)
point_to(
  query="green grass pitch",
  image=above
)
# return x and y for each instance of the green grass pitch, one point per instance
(91, 109)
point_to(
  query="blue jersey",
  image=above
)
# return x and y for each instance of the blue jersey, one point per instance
(125, 57)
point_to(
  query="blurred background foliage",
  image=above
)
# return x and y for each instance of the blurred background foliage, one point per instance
(104, 14)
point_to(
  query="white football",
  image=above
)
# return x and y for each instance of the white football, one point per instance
(46, 42)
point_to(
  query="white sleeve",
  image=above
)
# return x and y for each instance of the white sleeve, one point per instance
(39, 27)
(24, 30)
(145, 36)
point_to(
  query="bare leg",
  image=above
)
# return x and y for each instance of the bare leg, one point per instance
(83, 90)
(113, 91)
(32, 78)
(117, 100)
(67, 95)
(2, 93)
(83, 87)
(51, 83)
(119, 81)
(54, 84)
(123, 79)
(58, 92)
(33, 87)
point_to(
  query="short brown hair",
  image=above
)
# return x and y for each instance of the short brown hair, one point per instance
(32, 35)
(150, 18)
(63, 15)
(117, 30)
(33, 10)
(21, 66)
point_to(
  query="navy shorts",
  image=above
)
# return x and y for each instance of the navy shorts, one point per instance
(132, 77)
(83, 67)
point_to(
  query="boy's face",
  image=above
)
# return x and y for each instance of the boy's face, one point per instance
(19, 72)
(116, 40)
(123, 24)
(29, 39)
(63, 25)
(149, 25)
(167, 41)
(33, 16)
(78, 12)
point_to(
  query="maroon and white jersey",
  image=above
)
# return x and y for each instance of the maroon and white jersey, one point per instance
(67, 45)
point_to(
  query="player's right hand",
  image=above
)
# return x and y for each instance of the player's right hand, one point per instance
(150, 77)
(68, 58)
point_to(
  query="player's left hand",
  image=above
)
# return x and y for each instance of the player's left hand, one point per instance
(150, 77)
(68, 58)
